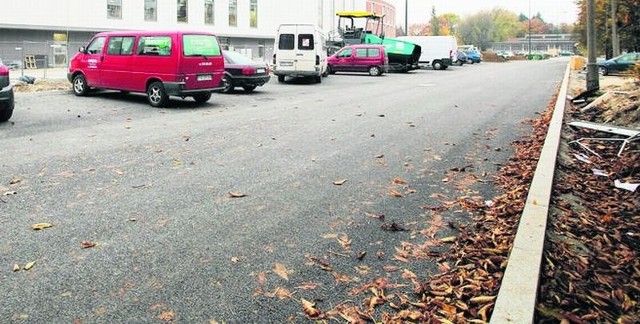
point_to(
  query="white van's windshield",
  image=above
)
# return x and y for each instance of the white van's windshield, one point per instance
(200, 45)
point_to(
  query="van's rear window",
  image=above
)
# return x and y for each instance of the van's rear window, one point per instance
(286, 42)
(200, 45)
(305, 41)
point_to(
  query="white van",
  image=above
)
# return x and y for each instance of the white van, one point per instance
(300, 51)
(437, 51)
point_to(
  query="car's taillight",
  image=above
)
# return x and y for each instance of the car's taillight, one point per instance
(248, 71)
(317, 60)
(4, 79)
(268, 69)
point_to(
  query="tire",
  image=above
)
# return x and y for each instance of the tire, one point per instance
(437, 65)
(460, 63)
(249, 88)
(227, 83)
(202, 97)
(603, 71)
(330, 70)
(374, 71)
(326, 72)
(318, 78)
(157, 95)
(6, 113)
(80, 86)
(280, 78)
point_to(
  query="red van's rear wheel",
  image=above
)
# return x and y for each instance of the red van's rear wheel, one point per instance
(156, 95)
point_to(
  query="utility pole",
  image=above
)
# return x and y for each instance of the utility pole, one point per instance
(529, 29)
(406, 17)
(593, 79)
(615, 41)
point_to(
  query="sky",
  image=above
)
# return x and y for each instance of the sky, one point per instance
(552, 11)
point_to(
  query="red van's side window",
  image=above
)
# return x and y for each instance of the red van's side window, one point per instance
(120, 45)
(154, 45)
(96, 46)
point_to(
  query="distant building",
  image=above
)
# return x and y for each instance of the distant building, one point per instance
(547, 43)
(52, 30)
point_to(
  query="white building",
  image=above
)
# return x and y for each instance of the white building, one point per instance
(52, 30)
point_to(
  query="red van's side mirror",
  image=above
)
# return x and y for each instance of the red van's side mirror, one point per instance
(82, 50)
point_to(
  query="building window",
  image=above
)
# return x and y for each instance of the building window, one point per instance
(114, 9)
(253, 14)
(151, 10)
(233, 13)
(182, 10)
(209, 16)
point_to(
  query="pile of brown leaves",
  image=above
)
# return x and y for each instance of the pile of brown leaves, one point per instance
(471, 270)
(591, 269)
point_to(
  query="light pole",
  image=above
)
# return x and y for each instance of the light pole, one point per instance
(529, 29)
(593, 79)
(406, 17)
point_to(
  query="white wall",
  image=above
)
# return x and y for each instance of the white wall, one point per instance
(91, 15)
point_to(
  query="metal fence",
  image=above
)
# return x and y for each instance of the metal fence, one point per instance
(37, 55)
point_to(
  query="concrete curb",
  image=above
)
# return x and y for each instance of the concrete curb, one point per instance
(518, 292)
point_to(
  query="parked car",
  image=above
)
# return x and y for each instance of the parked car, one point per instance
(461, 59)
(6, 94)
(620, 63)
(473, 56)
(506, 54)
(359, 58)
(241, 71)
(158, 63)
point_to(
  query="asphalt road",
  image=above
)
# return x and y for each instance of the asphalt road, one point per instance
(151, 188)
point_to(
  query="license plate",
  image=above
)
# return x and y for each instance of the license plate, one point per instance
(260, 71)
(205, 77)
(286, 63)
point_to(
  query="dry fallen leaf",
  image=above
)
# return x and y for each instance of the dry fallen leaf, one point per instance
(40, 226)
(88, 244)
(234, 194)
(281, 271)
(167, 316)
(29, 265)
(16, 267)
(339, 182)
(15, 181)
(399, 181)
(235, 260)
(395, 193)
(309, 308)
(449, 239)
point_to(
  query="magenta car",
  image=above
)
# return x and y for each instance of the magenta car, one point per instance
(367, 58)
(6, 94)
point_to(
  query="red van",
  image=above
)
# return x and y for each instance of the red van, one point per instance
(359, 58)
(158, 63)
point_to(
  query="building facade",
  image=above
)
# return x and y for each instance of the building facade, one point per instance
(51, 31)
(546, 43)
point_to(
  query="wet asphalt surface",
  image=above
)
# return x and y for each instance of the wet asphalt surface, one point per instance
(151, 188)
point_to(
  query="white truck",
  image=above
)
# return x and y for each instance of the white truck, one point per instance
(439, 52)
(300, 51)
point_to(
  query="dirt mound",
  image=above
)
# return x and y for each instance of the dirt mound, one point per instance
(42, 85)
